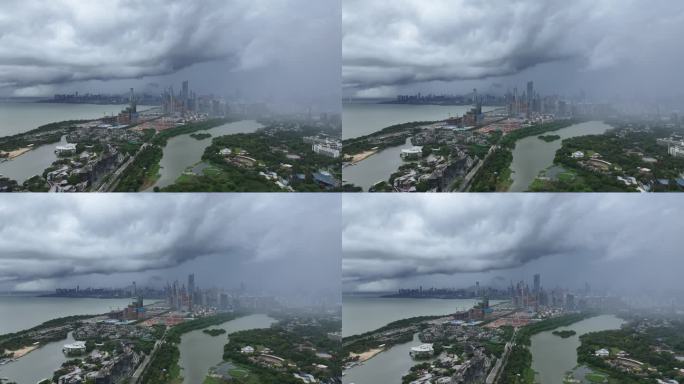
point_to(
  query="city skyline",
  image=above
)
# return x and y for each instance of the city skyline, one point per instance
(246, 50)
(452, 47)
(448, 242)
(227, 240)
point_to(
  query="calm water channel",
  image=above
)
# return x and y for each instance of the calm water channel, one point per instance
(532, 155)
(359, 119)
(553, 356)
(199, 351)
(30, 163)
(183, 151)
(386, 367)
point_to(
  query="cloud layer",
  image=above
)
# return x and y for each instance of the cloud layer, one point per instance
(63, 41)
(406, 41)
(43, 238)
(397, 238)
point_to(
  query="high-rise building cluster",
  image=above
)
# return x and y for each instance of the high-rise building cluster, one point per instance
(533, 298)
(530, 103)
(129, 115)
(181, 298)
(473, 117)
(187, 102)
(190, 297)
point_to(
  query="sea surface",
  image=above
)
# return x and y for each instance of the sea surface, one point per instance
(199, 351)
(184, 151)
(362, 314)
(364, 118)
(532, 155)
(553, 356)
(17, 117)
(23, 312)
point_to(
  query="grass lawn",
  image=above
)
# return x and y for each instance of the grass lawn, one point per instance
(243, 376)
(505, 180)
(211, 170)
(567, 177)
(151, 177)
(596, 378)
(212, 380)
(239, 373)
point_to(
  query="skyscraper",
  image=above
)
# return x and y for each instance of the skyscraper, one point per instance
(537, 283)
(191, 289)
(185, 95)
(530, 92)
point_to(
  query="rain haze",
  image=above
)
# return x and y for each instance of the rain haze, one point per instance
(611, 50)
(225, 240)
(282, 52)
(615, 243)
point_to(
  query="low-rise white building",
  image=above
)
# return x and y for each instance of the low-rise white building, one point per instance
(422, 351)
(676, 150)
(65, 149)
(326, 150)
(412, 153)
(75, 348)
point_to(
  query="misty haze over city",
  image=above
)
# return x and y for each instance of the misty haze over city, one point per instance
(245, 50)
(225, 241)
(617, 51)
(612, 242)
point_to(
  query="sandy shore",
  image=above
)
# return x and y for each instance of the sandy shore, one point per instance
(366, 355)
(359, 157)
(16, 153)
(24, 351)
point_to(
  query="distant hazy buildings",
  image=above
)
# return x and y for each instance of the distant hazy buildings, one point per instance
(187, 102)
(674, 144)
(192, 297)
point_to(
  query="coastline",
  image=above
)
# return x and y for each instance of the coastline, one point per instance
(11, 155)
(365, 356)
(359, 157)
(24, 351)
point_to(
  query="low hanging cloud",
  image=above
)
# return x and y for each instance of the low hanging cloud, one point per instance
(50, 237)
(403, 42)
(388, 239)
(62, 41)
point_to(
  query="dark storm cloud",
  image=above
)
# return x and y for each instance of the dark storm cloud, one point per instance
(43, 43)
(43, 239)
(389, 239)
(390, 44)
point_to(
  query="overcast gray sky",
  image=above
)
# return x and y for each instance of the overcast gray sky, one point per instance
(605, 47)
(271, 242)
(611, 241)
(283, 51)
